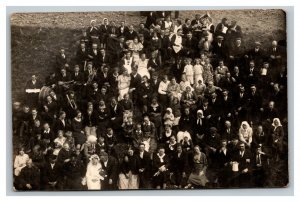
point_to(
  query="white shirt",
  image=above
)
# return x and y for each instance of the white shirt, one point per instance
(162, 88)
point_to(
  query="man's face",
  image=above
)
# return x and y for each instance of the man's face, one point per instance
(238, 42)
(46, 126)
(76, 69)
(259, 129)
(161, 151)
(82, 45)
(34, 112)
(62, 51)
(95, 85)
(179, 149)
(102, 51)
(242, 147)
(94, 46)
(146, 120)
(131, 28)
(142, 148)
(271, 105)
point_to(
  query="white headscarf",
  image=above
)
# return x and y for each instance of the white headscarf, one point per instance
(279, 123)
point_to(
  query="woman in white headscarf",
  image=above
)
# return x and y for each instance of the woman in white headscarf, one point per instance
(93, 173)
(277, 137)
(245, 133)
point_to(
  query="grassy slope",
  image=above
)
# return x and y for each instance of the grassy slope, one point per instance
(36, 37)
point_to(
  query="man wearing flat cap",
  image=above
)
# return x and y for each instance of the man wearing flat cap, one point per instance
(257, 54)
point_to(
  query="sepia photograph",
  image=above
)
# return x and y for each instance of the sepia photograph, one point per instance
(149, 100)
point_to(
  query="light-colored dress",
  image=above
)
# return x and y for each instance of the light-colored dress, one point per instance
(136, 48)
(123, 85)
(198, 71)
(198, 177)
(189, 72)
(93, 177)
(20, 163)
(142, 68)
(127, 64)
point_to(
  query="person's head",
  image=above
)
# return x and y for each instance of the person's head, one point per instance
(82, 45)
(172, 139)
(276, 87)
(63, 71)
(141, 147)
(101, 139)
(213, 131)
(189, 34)
(197, 149)
(95, 159)
(78, 114)
(179, 32)
(66, 146)
(257, 45)
(145, 79)
(105, 21)
(94, 46)
(154, 100)
(125, 72)
(52, 159)
(205, 102)
(228, 75)
(62, 115)
(221, 63)
(103, 90)
(93, 23)
(84, 33)
(271, 104)
(253, 89)
(179, 148)
(130, 151)
(37, 123)
(188, 89)
(225, 93)
(101, 103)
(242, 146)
(187, 110)
(244, 125)
(220, 39)
(276, 122)
(21, 151)
(90, 106)
(110, 131)
(197, 16)
(122, 23)
(161, 151)
(259, 129)
(224, 21)
(17, 105)
(236, 69)
(210, 84)
(142, 25)
(165, 78)
(199, 113)
(274, 44)
(223, 143)
(173, 80)
(238, 41)
(146, 119)
(227, 124)
(103, 156)
(60, 134)
(46, 126)
(34, 111)
(62, 51)
(131, 28)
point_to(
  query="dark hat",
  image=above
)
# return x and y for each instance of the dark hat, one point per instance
(213, 130)
(220, 37)
(103, 154)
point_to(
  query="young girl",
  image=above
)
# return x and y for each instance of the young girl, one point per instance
(207, 71)
(189, 70)
(136, 47)
(142, 66)
(198, 70)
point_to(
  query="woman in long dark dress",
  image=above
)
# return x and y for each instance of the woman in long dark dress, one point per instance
(78, 130)
(277, 138)
(145, 93)
(198, 176)
(155, 115)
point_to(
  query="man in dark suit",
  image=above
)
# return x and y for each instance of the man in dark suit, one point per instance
(78, 79)
(110, 167)
(228, 132)
(260, 167)
(236, 53)
(131, 34)
(255, 104)
(190, 45)
(241, 105)
(94, 55)
(32, 90)
(103, 77)
(219, 49)
(244, 159)
(61, 59)
(223, 156)
(257, 54)
(144, 167)
(48, 134)
(226, 104)
(151, 19)
(122, 30)
(51, 175)
(29, 178)
(82, 56)
(251, 74)
(104, 58)
(135, 83)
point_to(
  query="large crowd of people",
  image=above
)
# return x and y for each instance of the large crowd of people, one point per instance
(167, 103)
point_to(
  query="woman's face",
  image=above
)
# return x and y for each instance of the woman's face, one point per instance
(21, 152)
(161, 152)
(197, 150)
(79, 115)
(94, 161)
(244, 126)
(276, 123)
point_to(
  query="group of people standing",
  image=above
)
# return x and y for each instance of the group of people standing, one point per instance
(164, 104)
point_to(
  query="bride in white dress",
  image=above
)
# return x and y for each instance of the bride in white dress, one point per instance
(93, 173)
